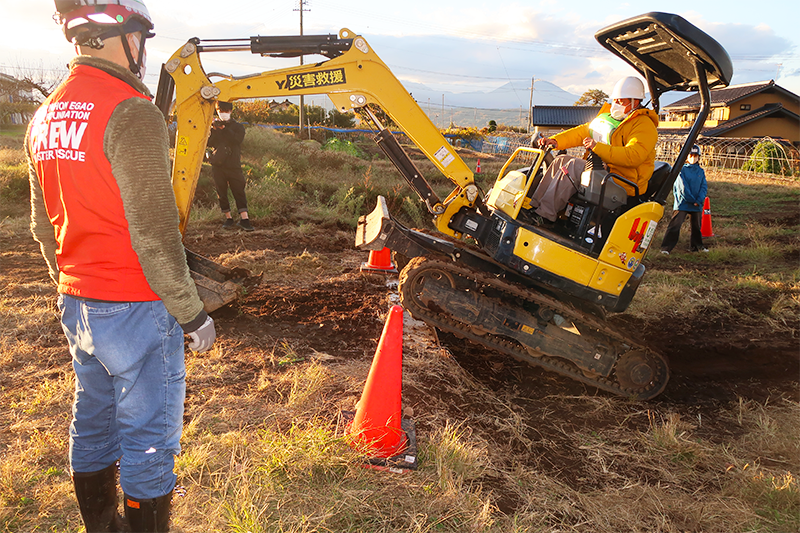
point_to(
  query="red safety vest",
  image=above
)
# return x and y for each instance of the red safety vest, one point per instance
(95, 257)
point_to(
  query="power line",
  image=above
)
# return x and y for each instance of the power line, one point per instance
(454, 32)
(507, 75)
(37, 69)
(398, 67)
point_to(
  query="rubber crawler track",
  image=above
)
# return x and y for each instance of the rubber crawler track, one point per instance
(419, 266)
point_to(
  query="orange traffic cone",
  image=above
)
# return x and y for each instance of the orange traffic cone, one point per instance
(478, 168)
(380, 261)
(377, 426)
(705, 225)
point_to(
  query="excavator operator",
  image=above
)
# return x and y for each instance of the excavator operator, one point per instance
(624, 137)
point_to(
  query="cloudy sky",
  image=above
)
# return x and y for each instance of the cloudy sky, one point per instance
(462, 46)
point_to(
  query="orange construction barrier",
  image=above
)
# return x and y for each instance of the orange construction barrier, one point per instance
(705, 225)
(478, 168)
(380, 261)
(377, 426)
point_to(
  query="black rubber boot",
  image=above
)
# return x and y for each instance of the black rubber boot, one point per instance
(97, 499)
(145, 516)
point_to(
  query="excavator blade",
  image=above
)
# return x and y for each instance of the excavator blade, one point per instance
(217, 285)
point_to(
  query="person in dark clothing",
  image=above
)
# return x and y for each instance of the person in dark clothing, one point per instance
(225, 142)
(690, 191)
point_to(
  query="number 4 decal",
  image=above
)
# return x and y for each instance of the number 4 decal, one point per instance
(641, 237)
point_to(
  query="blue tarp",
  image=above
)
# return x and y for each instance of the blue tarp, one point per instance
(476, 145)
(501, 145)
(323, 128)
(498, 145)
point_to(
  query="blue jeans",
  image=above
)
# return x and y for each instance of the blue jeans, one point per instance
(130, 385)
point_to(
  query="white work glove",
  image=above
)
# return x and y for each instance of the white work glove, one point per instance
(203, 337)
(544, 142)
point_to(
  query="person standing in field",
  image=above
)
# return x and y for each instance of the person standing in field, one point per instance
(104, 214)
(226, 165)
(689, 190)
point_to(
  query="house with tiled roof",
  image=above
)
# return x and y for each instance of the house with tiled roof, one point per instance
(750, 110)
(551, 119)
(14, 94)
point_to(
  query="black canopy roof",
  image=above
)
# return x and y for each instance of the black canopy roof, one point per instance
(664, 48)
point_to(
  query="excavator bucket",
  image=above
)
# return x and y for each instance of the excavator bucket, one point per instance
(371, 233)
(216, 284)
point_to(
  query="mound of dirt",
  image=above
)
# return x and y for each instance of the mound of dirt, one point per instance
(340, 317)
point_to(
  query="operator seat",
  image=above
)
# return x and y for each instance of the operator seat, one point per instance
(660, 173)
(585, 210)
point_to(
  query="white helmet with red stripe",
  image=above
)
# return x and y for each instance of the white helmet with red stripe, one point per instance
(88, 22)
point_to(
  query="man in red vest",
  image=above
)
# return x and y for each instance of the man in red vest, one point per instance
(104, 214)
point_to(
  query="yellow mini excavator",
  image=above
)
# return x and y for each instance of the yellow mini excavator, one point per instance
(490, 275)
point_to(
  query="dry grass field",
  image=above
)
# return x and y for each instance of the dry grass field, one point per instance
(504, 447)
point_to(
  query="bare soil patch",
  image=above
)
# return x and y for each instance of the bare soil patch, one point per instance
(714, 360)
(338, 313)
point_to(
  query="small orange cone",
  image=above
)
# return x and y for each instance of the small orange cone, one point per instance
(377, 426)
(705, 225)
(478, 168)
(380, 261)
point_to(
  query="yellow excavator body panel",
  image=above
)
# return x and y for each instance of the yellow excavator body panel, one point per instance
(625, 247)
(539, 250)
(620, 257)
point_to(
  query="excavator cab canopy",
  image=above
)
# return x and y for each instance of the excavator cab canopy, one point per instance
(665, 49)
(673, 55)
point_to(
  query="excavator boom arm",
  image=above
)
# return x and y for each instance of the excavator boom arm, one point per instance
(353, 78)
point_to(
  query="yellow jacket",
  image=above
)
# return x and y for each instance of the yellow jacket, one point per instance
(632, 152)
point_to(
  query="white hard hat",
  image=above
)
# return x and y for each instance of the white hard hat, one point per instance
(628, 87)
(87, 20)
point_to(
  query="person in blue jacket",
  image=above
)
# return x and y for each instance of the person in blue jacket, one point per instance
(690, 191)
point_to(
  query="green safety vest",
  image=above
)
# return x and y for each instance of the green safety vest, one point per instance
(602, 127)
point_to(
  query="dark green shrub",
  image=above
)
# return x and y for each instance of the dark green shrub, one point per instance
(768, 157)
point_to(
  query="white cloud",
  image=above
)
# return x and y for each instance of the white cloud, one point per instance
(550, 40)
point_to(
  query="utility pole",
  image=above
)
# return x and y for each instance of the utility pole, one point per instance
(530, 114)
(301, 4)
(530, 106)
